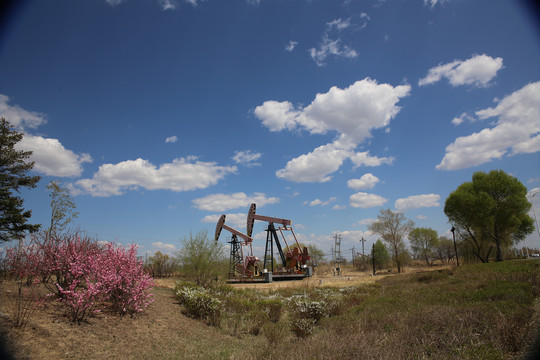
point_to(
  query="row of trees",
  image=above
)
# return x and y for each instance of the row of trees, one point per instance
(489, 215)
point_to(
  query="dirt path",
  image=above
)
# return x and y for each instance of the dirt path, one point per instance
(162, 332)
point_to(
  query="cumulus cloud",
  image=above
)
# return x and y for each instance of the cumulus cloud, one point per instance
(236, 221)
(352, 113)
(516, 131)
(183, 174)
(417, 201)
(51, 157)
(319, 202)
(463, 117)
(224, 202)
(477, 71)
(247, 158)
(366, 182)
(164, 247)
(364, 159)
(315, 166)
(364, 200)
(366, 221)
(171, 139)
(19, 117)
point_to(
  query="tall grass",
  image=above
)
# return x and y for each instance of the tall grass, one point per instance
(483, 311)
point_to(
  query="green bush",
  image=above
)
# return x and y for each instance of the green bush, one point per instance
(273, 308)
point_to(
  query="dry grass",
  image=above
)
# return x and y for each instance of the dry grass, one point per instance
(477, 312)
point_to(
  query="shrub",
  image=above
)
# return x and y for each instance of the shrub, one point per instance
(201, 305)
(21, 264)
(274, 333)
(273, 308)
(125, 281)
(302, 308)
(302, 327)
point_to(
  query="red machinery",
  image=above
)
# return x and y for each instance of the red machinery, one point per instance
(294, 259)
(239, 267)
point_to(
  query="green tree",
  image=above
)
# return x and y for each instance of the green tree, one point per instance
(490, 209)
(380, 254)
(392, 227)
(201, 258)
(14, 166)
(62, 207)
(424, 242)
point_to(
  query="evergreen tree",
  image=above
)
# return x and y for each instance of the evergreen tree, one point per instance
(14, 166)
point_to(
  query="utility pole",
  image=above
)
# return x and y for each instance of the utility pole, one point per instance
(373, 258)
(337, 253)
(363, 254)
(352, 250)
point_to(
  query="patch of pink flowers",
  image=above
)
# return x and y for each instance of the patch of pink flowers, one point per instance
(87, 275)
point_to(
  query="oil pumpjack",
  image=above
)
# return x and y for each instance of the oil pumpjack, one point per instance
(240, 267)
(246, 269)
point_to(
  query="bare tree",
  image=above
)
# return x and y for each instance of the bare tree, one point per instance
(393, 227)
(62, 207)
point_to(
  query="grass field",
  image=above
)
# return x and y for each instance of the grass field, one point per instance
(481, 311)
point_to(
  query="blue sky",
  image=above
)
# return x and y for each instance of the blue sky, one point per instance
(161, 115)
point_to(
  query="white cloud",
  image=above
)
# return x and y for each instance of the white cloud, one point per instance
(315, 166)
(236, 221)
(463, 117)
(51, 157)
(329, 47)
(224, 202)
(277, 116)
(351, 112)
(517, 129)
(182, 174)
(417, 201)
(366, 221)
(421, 217)
(477, 71)
(432, 3)
(18, 117)
(319, 202)
(114, 2)
(339, 24)
(331, 43)
(171, 139)
(291, 45)
(164, 247)
(247, 158)
(364, 200)
(364, 159)
(366, 182)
